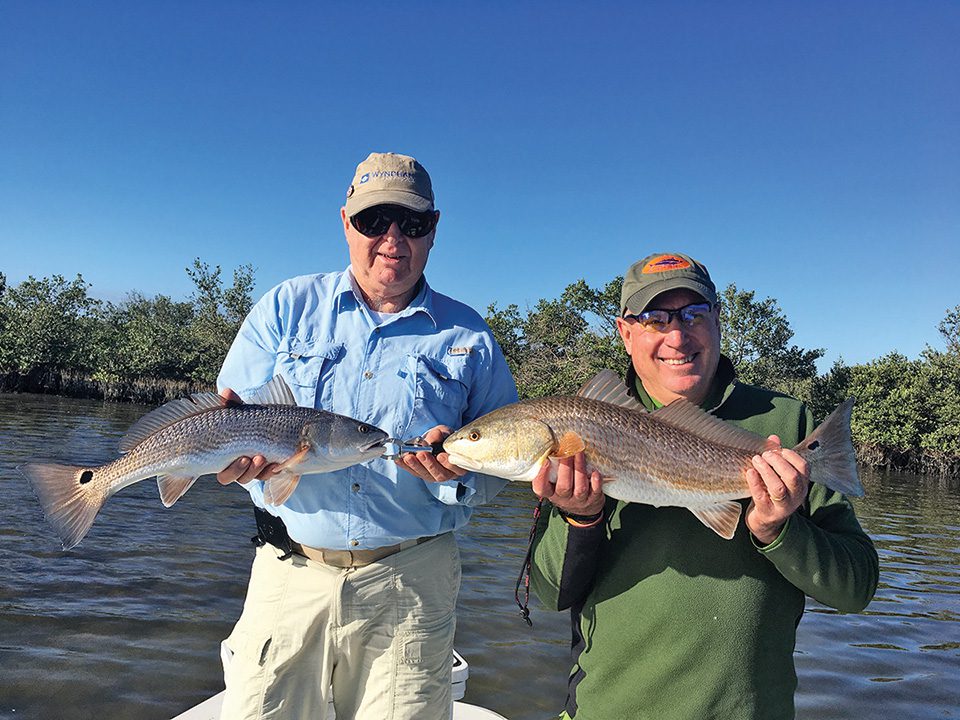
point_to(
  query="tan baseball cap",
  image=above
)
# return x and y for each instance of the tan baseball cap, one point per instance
(388, 178)
(657, 273)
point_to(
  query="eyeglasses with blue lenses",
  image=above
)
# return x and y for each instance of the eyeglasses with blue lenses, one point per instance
(659, 320)
(375, 221)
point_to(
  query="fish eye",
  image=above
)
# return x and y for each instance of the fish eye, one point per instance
(364, 429)
(474, 435)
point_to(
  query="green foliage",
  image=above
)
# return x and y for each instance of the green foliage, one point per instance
(47, 326)
(755, 335)
(941, 443)
(145, 338)
(828, 390)
(555, 347)
(908, 411)
(218, 312)
(52, 334)
(950, 329)
(889, 418)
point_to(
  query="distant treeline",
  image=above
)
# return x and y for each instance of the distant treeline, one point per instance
(55, 338)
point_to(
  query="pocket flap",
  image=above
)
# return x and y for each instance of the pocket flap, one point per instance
(297, 348)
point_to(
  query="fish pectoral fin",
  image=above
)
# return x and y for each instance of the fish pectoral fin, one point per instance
(294, 459)
(278, 489)
(570, 443)
(172, 487)
(722, 518)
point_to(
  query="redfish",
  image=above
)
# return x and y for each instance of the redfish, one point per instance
(678, 455)
(202, 434)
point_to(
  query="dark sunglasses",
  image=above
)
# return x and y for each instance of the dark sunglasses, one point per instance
(659, 320)
(376, 220)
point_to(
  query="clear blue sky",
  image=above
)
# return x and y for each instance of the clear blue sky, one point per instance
(808, 151)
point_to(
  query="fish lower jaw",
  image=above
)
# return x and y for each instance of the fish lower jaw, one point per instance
(464, 462)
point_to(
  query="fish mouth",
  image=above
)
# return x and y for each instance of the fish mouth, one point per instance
(375, 445)
(462, 461)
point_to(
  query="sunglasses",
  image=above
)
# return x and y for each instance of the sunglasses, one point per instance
(376, 220)
(659, 320)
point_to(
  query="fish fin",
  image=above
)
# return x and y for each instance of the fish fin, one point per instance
(172, 487)
(606, 386)
(830, 454)
(168, 414)
(275, 392)
(688, 417)
(278, 489)
(70, 504)
(722, 518)
(570, 443)
(294, 459)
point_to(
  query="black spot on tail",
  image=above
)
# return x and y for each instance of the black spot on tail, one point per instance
(814, 445)
(86, 476)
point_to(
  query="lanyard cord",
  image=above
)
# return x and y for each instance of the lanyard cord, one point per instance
(524, 577)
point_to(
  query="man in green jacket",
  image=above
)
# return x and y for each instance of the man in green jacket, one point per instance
(669, 619)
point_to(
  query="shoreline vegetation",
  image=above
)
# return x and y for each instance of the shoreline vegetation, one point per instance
(57, 339)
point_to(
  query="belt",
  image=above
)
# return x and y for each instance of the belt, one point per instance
(354, 558)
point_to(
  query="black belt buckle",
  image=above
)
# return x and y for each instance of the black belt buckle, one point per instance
(270, 529)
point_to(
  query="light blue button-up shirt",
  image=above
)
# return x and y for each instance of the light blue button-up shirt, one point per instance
(434, 363)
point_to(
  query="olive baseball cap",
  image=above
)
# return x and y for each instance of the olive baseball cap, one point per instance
(388, 178)
(657, 273)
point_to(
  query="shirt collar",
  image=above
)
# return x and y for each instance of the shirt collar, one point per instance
(422, 302)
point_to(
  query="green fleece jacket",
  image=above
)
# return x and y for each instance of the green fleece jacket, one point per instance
(672, 621)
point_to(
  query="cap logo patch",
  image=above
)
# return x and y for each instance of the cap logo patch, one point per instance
(663, 263)
(364, 178)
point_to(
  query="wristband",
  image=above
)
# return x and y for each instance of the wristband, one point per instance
(581, 521)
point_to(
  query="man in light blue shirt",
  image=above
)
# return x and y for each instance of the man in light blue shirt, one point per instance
(365, 603)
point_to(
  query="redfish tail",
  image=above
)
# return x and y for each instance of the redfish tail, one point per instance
(68, 500)
(830, 454)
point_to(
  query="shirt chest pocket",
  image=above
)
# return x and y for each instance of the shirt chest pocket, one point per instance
(440, 391)
(309, 366)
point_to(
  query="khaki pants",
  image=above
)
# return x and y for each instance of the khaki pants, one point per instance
(381, 636)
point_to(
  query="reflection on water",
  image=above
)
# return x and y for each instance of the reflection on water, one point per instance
(128, 623)
(901, 657)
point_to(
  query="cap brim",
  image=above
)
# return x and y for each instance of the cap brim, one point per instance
(387, 197)
(639, 301)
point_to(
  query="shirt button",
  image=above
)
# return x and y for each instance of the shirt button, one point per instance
(368, 374)
(354, 543)
(356, 487)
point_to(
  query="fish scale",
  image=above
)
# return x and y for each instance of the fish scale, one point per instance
(653, 472)
(212, 439)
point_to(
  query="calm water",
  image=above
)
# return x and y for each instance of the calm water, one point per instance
(128, 624)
